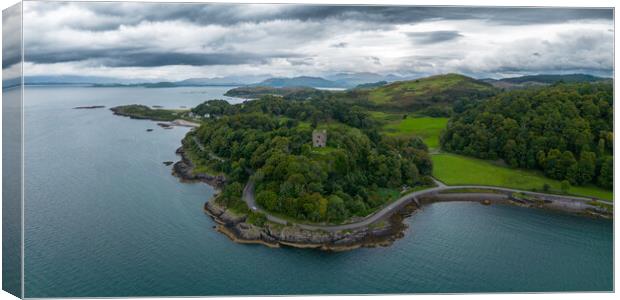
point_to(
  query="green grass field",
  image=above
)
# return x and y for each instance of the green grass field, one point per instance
(455, 169)
(425, 127)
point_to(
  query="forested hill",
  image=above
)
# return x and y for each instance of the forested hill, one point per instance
(522, 82)
(270, 139)
(423, 93)
(550, 79)
(566, 130)
(292, 93)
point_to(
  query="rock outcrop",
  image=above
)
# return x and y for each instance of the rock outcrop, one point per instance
(184, 169)
(276, 235)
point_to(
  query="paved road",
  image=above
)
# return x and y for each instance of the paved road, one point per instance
(248, 197)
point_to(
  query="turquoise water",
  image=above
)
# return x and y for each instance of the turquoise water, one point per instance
(104, 217)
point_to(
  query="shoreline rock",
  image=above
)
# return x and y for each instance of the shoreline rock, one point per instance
(275, 235)
(184, 169)
(376, 235)
(382, 233)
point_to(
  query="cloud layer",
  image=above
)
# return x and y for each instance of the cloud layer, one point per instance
(174, 41)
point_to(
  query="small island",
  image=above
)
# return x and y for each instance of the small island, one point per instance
(89, 107)
(338, 172)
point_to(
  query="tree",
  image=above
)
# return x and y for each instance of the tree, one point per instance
(510, 153)
(606, 177)
(565, 185)
(546, 128)
(566, 163)
(586, 167)
(541, 158)
(552, 164)
(601, 147)
(268, 200)
(336, 210)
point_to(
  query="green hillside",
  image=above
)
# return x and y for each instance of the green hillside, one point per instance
(439, 90)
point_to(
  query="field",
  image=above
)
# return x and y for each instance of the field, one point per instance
(425, 127)
(455, 169)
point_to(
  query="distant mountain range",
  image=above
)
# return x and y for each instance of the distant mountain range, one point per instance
(110, 81)
(354, 79)
(301, 81)
(338, 80)
(543, 79)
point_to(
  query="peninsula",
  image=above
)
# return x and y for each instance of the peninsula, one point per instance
(340, 170)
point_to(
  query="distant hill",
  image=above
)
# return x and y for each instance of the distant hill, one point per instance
(541, 80)
(219, 81)
(371, 85)
(293, 93)
(73, 79)
(301, 81)
(98, 81)
(439, 90)
(350, 80)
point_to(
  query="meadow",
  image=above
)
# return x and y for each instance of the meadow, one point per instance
(427, 128)
(454, 169)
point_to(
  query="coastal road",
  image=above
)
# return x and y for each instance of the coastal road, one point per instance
(387, 211)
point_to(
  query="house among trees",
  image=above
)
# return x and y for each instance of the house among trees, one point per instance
(319, 138)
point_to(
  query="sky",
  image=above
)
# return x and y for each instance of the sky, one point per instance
(176, 41)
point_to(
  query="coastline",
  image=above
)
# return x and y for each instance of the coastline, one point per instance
(276, 235)
(381, 233)
(382, 229)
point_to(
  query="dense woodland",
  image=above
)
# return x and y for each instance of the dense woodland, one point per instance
(565, 130)
(269, 140)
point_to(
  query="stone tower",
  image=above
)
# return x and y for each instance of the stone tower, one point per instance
(319, 138)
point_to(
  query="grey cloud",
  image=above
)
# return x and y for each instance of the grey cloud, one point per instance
(11, 37)
(134, 58)
(576, 51)
(433, 37)
(339, 45)
(375, 60)
(303, 61)
(318, 24)
(227, 14)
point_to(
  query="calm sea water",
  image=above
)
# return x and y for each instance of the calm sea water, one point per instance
(104, 217)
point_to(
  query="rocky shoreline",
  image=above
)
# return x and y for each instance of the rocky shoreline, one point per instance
(554, 203)
(276, 235)
(184, 169)
(382, 233)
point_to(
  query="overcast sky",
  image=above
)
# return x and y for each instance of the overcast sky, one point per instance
(176, 41)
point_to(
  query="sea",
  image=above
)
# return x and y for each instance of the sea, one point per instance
(104, 217)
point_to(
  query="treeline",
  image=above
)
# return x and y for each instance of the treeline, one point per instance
(269, 140)
(565, 130)
(316, 111)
